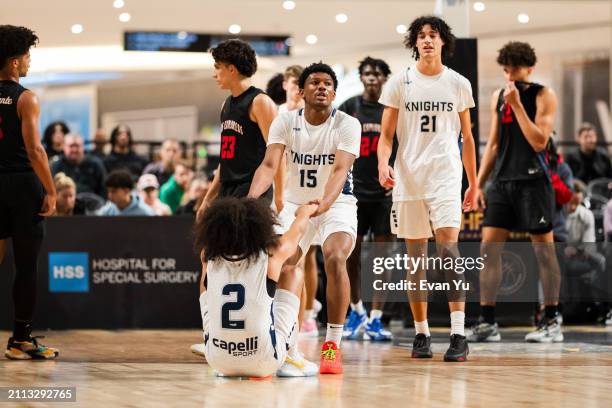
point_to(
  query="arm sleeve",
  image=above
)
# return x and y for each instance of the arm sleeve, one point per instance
(278, 130)
(391, 93)
(350, 136)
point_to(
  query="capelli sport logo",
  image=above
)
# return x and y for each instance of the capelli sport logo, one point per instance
(68, 272)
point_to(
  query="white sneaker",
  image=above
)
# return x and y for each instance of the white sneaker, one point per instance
(548, 333)
(297, 366)
(198, 349)
(483, 332)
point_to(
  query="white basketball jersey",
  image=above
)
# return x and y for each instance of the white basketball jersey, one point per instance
(428, 163)
(311, 151)
(241, 324)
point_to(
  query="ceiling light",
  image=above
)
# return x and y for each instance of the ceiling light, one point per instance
(125, 17)
(182, 35)
(479, 6)
(401, 29)
(523, 18)
(311, 39)
(288, 5)
(341, 18)
(118, 4)
(289, 42)
(234, 29)
(76, 29)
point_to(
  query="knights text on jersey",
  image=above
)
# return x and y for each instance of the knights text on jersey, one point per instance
(428, 163)
(311, 151)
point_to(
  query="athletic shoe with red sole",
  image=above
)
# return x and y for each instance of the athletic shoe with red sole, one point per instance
(331, 359)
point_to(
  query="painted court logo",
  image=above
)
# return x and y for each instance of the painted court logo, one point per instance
(68, 272)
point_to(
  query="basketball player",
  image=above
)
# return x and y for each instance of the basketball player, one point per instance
(373, 201)
(27, 192)
(321, 144)
(246, 116)
(521, 195)
(308, 327)
(249, 307)
(428, 105)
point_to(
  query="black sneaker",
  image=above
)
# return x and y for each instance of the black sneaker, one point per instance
(421, 348)
(458, 349)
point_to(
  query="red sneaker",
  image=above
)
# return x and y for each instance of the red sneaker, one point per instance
(331, 359)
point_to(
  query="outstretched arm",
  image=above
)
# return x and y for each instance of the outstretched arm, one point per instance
(289, 241)
(262, 180)
(342, 165)
(264, 111)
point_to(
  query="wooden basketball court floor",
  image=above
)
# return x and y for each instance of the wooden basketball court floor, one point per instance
(154, 368)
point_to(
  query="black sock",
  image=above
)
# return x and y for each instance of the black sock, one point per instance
(488, 314)
(551, 312)
(22, 330)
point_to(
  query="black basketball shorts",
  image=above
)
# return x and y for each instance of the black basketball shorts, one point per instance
(521, 205)
(21, 200)
(374, 217)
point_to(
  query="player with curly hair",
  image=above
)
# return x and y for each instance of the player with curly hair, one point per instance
(27, 191)
(428, 105)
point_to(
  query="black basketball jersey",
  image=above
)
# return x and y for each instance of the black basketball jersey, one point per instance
(13, 154)
(516, 159)
(365, 168)
(242, 144)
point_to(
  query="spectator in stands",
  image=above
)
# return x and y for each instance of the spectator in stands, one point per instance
(87, 172)
(122, 156)
(66, 196)
(581, 253)
(99, 144)
(589, 162)
(122, 199)
(172, 191)
(197, 191)
(163, 169)
(148, 188)
(562, 182)
(53, 139)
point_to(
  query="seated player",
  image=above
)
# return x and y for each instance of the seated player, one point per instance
(249, 306)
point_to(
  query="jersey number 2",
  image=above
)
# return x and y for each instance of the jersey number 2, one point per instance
(228, 147)
(228, 290)
(426, 120)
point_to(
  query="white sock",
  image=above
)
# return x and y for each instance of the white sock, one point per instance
(334, 333)
(457, 323)
(422, 328)
(309, 314)
(375, 314)
(358, 307)
(294, 350)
